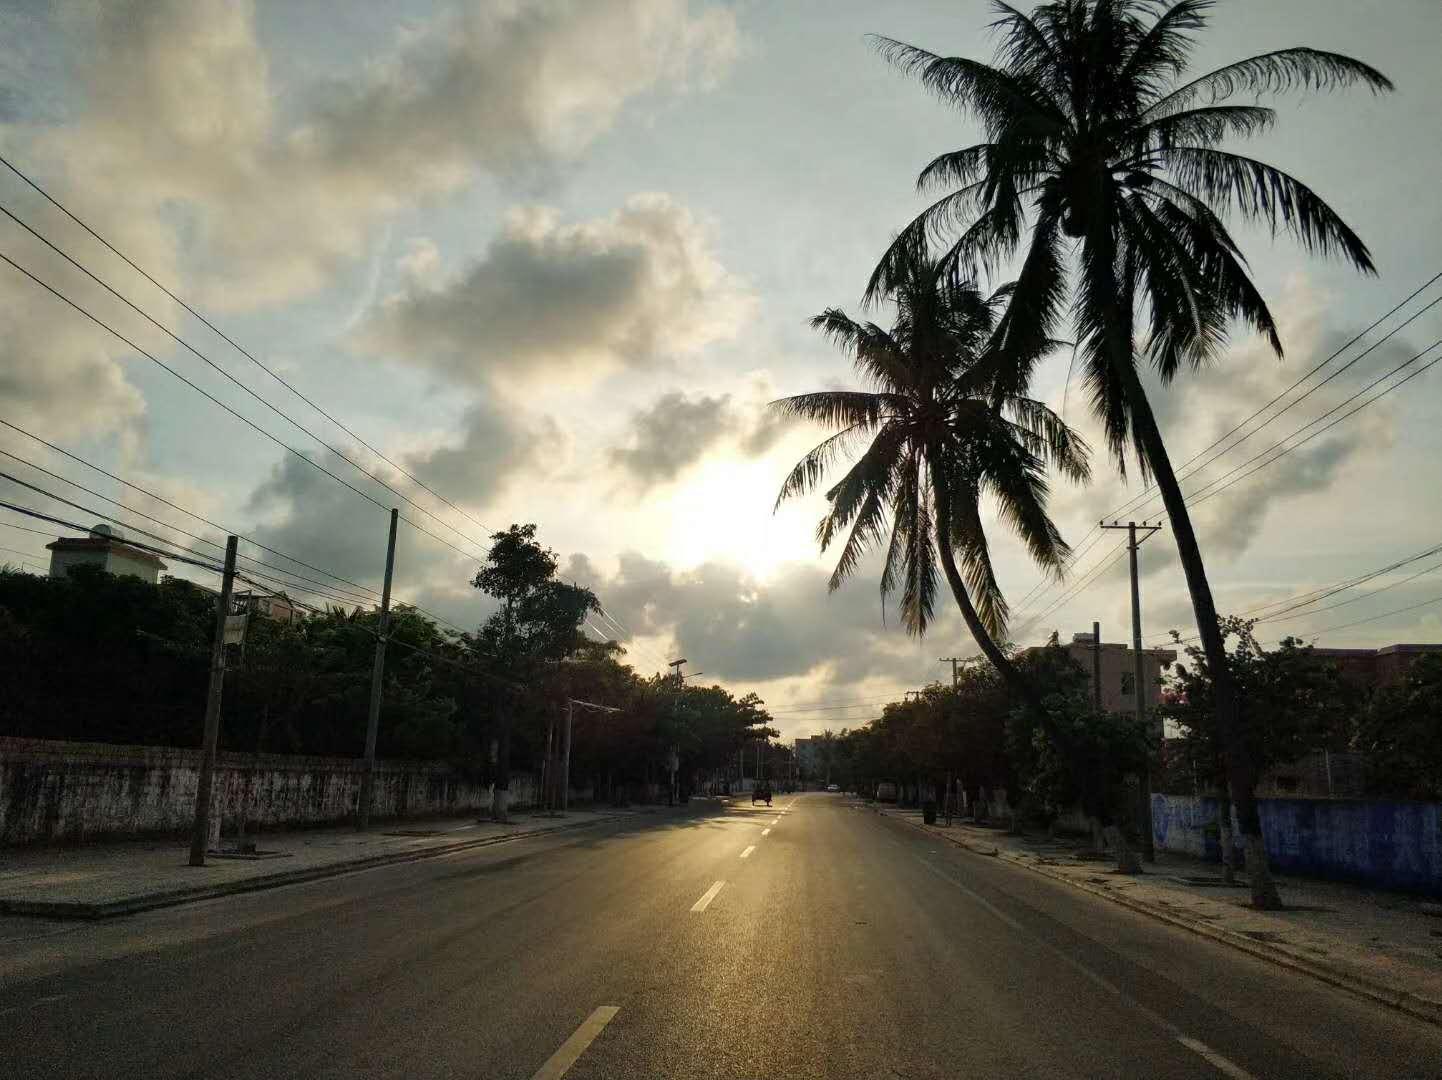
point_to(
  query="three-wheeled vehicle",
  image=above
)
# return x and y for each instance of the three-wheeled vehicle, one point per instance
(761, 793)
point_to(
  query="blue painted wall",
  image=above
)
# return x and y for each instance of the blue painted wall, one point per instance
(1388, 845)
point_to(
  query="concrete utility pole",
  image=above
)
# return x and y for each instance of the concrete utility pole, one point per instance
(200, 832)
(378, 670)
(1148, 844)
(1097, 666)
(955, 671)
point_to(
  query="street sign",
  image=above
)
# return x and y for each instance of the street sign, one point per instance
(235, 629)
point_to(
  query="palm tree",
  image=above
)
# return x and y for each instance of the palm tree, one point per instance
(946, 428)
(1096, 147)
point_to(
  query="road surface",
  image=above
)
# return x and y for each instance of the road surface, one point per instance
(814, 940)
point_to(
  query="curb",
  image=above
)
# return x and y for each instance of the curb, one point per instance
(130, 905)
(1403, 1000)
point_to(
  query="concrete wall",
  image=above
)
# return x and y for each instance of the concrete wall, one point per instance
(1389, 845)
(67, 791)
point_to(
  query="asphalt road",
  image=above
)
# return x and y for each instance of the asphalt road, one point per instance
(841, 944)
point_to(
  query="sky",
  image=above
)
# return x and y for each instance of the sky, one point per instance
(552, 258)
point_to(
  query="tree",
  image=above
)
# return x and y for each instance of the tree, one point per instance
(1401, 734)
(539, 620)
(948, 428)
(1292, 702)
(1094, 137)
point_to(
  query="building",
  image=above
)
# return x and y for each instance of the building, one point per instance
(1118, 670)
(1372, 669)
(105, 548)
(808, 755)
(275, 606)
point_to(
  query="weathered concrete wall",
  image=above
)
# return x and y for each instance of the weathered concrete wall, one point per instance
(68, 791)
(1390, 845)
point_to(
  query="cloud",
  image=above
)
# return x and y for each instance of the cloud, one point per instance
(743, 631)
(631, 290)
(1199, 408)
(677, 430)
(176, 106)
(303, 512)
(168, 140)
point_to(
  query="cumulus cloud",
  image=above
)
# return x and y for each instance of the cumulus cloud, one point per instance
(1198, 409)
(630, 290)
(168, 139)
(677, 430)
(178, 107)
(744, 631)
(302, 511)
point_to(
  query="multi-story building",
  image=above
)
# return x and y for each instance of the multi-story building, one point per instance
(1374, 668)
(1119, 673)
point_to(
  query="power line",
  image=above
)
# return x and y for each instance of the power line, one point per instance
(1314, 634)
(248, 355)
(225, 374)
(17, 551)
(176, 506)
(1287, 605)
(1182, 469)
(1401, 382)
(1105, 563)
(1145, 498)
(1365, 596)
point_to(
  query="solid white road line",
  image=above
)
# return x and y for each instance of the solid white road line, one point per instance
(559, 1063)
(1216, 1059)
(765, 832)
(748, 851)
(707, 897)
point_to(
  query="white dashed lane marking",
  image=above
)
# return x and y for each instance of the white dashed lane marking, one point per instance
(748, 851)
(559, 1063)
(707, 897)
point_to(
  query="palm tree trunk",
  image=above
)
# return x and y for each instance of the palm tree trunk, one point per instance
(1241, 776)
(989, 648)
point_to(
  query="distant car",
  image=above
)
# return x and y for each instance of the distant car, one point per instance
(833, 787)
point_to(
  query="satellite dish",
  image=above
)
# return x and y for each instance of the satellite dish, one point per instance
(106, 532)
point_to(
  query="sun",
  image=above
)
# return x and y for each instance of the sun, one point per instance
(722, 512)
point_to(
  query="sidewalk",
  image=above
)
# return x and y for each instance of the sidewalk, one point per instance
(1383, 946)
(104, 880)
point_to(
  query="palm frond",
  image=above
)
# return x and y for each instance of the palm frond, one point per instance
(1263, 192)
(1161, 52)
(1024, 333)
(911, 555)
(956, 167)
(1207, 124)
(1061, 445)
(997, 96)
(870, 476)
(867, 530)
(968, 539)
(1278, 72)
(1226, 269)
(1017, 482)
(811, 469)
(1025, 47)
(836, 408)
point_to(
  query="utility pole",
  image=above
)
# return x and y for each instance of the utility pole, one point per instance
(1138, 669)
(566, 758)
(571, 703)
(200, 832)
(363, 806)
(955, 671)
(1097, 666)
